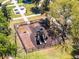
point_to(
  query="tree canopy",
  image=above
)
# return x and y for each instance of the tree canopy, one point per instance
(69, 10)
(6, 47)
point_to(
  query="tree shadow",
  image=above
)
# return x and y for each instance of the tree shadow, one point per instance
(47, 9)
(35, 10)
(26, 2)
(45, 23)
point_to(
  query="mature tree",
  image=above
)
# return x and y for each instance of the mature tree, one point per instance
(3, 44)
(46, 3)
(4, 23)
(75, 28)
(6, 47)
(6, 12)
(36, 2)
(75, 23)
(69, 10)
(44, 6)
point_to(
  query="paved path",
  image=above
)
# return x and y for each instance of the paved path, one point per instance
(5, 1)
(14, 5)
(23, 16)
(26, 16)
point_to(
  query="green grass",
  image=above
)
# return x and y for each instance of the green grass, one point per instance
(50, 53)
(13, 15)
(28, 9)
(20, 1)
(55, 52)
(2, 1)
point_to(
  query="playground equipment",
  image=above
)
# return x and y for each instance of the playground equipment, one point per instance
(40, 37)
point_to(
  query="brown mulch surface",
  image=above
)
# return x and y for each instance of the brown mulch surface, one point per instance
(27, 37)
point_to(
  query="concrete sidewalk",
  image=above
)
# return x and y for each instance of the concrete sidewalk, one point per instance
(5, 1)
(23, 16)
(26, 16)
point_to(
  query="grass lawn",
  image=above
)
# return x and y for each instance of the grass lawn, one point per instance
(28, 9)
(20, 1)
(33, 18)
(2, 1)
(50, 53)
(56, 52)
(13, 15)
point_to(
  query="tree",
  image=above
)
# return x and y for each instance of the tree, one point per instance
(36, 2)
(6, 12)
(6, 47)
(44, 6)
(46, 3)
(3, 44)
(68, 9)
(75, 35)
(4, 23)
(75, 23)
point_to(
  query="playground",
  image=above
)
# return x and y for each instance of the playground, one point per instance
(30, 38)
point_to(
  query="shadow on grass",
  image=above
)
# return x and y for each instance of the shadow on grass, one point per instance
(35, 10)
(41, 10)
(47, 9)
(26, 2)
